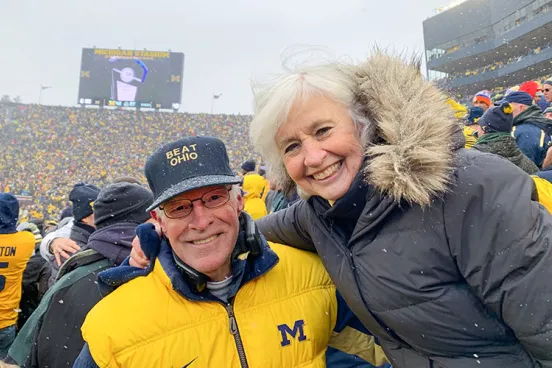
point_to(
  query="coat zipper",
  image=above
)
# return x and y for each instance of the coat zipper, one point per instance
(236, 333)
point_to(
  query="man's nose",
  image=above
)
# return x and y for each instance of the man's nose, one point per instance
(201, 216)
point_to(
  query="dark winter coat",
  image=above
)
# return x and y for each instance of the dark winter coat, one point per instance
(35, 285)
(441, 253)
(504, 145)
(532, 132)
(80, 232)
(54, 338)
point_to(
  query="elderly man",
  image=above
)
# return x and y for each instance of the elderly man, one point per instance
(216, 294)
(496, 125)
(531, 129)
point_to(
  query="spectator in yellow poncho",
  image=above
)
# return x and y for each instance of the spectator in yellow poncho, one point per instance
(254, 186)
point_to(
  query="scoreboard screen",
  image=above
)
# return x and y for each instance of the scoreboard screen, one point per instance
(131, 78)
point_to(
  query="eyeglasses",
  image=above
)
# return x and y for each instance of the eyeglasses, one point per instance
(183, 207)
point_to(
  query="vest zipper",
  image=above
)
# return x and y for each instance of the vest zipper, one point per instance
(236, 333)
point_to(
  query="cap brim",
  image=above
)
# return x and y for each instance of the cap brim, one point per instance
(194, 183)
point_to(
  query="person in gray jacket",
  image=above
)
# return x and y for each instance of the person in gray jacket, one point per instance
(439, 250)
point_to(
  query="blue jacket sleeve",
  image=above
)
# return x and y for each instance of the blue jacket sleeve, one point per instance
(85, 360)
(114, 277)
(346, 318)
(528, 139)
(353, 341)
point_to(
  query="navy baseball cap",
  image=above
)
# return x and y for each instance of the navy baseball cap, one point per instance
(187, 164)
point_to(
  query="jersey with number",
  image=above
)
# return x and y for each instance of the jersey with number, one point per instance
(15, 251)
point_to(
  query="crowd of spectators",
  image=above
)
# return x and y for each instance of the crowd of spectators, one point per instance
(47, 149)
(496, 93)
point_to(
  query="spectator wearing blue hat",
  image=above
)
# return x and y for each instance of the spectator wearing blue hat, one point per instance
(531, 129)
(216, 294)
(16, 247)
(496, 125)
(248, 167)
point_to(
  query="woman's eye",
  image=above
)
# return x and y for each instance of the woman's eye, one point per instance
(291, 147)
(323, 131)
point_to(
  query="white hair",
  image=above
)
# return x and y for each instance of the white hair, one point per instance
(275, 98)
(234, 192)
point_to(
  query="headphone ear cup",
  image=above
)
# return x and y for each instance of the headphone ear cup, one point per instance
(253, 239)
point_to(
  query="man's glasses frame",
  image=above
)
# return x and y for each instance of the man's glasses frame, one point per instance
(181, 208)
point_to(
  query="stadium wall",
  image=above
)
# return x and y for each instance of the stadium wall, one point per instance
(476, 49)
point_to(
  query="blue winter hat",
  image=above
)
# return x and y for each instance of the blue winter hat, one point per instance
(474, 114)
(249, 165)
(83, 196)
(66, 212)
(497, 119)
(523, 98)
(9, 213)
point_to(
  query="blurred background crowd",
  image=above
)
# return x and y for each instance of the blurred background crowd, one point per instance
(47, 149)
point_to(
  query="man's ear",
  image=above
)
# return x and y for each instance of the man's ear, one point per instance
(157, 218)
(241, 203)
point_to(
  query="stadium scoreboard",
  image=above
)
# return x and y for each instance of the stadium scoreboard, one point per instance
(131, 78)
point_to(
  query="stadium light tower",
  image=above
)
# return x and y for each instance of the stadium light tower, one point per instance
(42, 88)
(215, 97)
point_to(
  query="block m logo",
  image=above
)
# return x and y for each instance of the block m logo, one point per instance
(297, 329)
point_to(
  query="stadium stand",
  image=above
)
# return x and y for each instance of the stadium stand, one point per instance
(48, 149)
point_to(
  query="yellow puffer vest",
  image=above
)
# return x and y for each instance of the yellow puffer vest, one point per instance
(284, 318)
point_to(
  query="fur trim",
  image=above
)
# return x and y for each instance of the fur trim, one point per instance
(411, 158)
(409, 141)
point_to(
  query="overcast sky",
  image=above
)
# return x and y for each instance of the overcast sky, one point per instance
(225, 42)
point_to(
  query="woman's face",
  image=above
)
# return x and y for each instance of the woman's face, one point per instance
(320, 147)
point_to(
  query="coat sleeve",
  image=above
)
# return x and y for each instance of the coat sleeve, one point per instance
(62, 232)
(532, 141)
(288, 226)
(502, 243)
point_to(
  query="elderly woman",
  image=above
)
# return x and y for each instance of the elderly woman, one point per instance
(438, 250)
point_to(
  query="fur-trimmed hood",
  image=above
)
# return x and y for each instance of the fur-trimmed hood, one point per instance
(411, 136)
(410, 158)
